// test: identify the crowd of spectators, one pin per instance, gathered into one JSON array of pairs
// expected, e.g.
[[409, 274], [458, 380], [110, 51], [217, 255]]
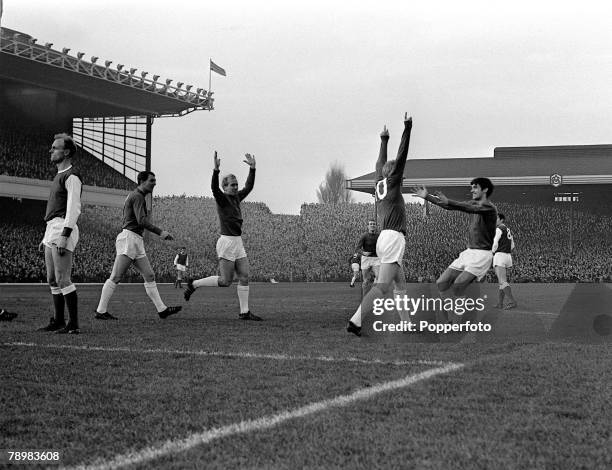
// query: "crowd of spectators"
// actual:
[[312, 246], [25, 153]]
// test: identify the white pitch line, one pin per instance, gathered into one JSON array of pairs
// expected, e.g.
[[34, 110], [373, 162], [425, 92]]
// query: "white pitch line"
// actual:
[[240, 355], [180, 445]]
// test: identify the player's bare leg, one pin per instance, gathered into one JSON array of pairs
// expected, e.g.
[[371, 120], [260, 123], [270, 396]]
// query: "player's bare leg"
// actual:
[[400, 289], [242, 271], [120, 267], [57, 321], [501, 277], [143, 266], [224, 279], [63, 269], [444, 284], [388, 272], [504, 287], [367, 276]]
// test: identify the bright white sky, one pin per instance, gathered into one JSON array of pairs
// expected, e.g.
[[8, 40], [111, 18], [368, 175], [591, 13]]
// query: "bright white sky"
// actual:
[[312, 82]]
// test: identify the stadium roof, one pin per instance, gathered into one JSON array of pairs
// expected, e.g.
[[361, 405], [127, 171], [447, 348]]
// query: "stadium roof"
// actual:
[[576, 164], [94, 90]]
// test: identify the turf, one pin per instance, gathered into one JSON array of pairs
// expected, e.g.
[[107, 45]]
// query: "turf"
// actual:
[[121, 386]]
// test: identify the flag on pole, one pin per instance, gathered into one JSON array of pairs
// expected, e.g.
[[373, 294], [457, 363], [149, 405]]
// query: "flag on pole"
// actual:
[[215, 68]]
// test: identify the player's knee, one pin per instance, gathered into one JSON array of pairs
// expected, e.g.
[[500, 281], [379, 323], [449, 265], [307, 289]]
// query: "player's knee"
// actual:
[[149, 277], [222, 282]]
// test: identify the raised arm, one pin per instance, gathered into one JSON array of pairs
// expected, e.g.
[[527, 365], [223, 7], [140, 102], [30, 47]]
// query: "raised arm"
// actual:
[[402, 153], [382, 154], [250, 181], [214, 183]]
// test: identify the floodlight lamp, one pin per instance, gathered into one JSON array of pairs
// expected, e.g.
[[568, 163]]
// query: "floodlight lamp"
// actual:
[[143, 74], [168, 81], [32, 40], [199, 90], [93, 59], [119, 67], [179, 84], [80, 55], [48, 45], [107, 63], [155, 78], [65, 50], [189, 87], [132, 70]]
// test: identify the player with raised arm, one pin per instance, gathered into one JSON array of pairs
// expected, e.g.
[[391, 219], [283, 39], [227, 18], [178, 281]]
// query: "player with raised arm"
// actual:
[[503, 244], [392, 239], [131, 251], [230, 248], [475, 261], [62, 235], [370, 262]]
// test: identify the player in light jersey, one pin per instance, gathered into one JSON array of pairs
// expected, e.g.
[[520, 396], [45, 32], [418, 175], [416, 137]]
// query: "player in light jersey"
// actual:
[[475, 261], [503, 244], [131, 251], [370, 262], [392, 212], [230, 249], [62, 235]]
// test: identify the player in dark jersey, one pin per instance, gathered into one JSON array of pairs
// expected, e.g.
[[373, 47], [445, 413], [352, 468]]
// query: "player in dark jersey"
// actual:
[[391, 241], [131, 252], [230, 249], [354, 262], [181, 261], [370, 262], [62, 235], [474, 262], [503, 244]]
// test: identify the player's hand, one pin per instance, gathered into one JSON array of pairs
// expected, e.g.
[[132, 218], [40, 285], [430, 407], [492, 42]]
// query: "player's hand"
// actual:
[[440, 195], [365, 253], [407, 120], [166, 235], [61, 245], [420, 191], [41, 246], [385, 132], [217, 161], [249, 160]]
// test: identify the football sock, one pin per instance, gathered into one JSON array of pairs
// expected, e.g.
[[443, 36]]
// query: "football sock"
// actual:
[[243, 298], [500, 297], [153, 293], [508, 293], [107, 293], [72, 302], [210, 281], [356, 318], [400, 294], [58, 304]]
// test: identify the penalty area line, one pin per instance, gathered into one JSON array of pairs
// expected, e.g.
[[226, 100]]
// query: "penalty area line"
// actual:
[[239, 355], [261, 424]]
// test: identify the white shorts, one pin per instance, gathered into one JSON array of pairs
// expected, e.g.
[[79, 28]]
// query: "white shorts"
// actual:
[[53, 232], [181, 267], [476, 262], [502, 259], [355, 266], [390, 246], [230, 248], [368, 262], [130, 244]]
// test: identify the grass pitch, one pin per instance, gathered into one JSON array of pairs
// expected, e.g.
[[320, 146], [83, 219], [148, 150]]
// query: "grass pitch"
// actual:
[[206, 390]]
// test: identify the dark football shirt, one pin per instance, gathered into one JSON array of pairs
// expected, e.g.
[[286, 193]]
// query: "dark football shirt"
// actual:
[[228, 207], [391, 209]]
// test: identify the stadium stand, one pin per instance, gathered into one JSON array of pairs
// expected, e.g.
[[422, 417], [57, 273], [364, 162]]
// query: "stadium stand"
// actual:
[[25, 153], [312, 246]]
